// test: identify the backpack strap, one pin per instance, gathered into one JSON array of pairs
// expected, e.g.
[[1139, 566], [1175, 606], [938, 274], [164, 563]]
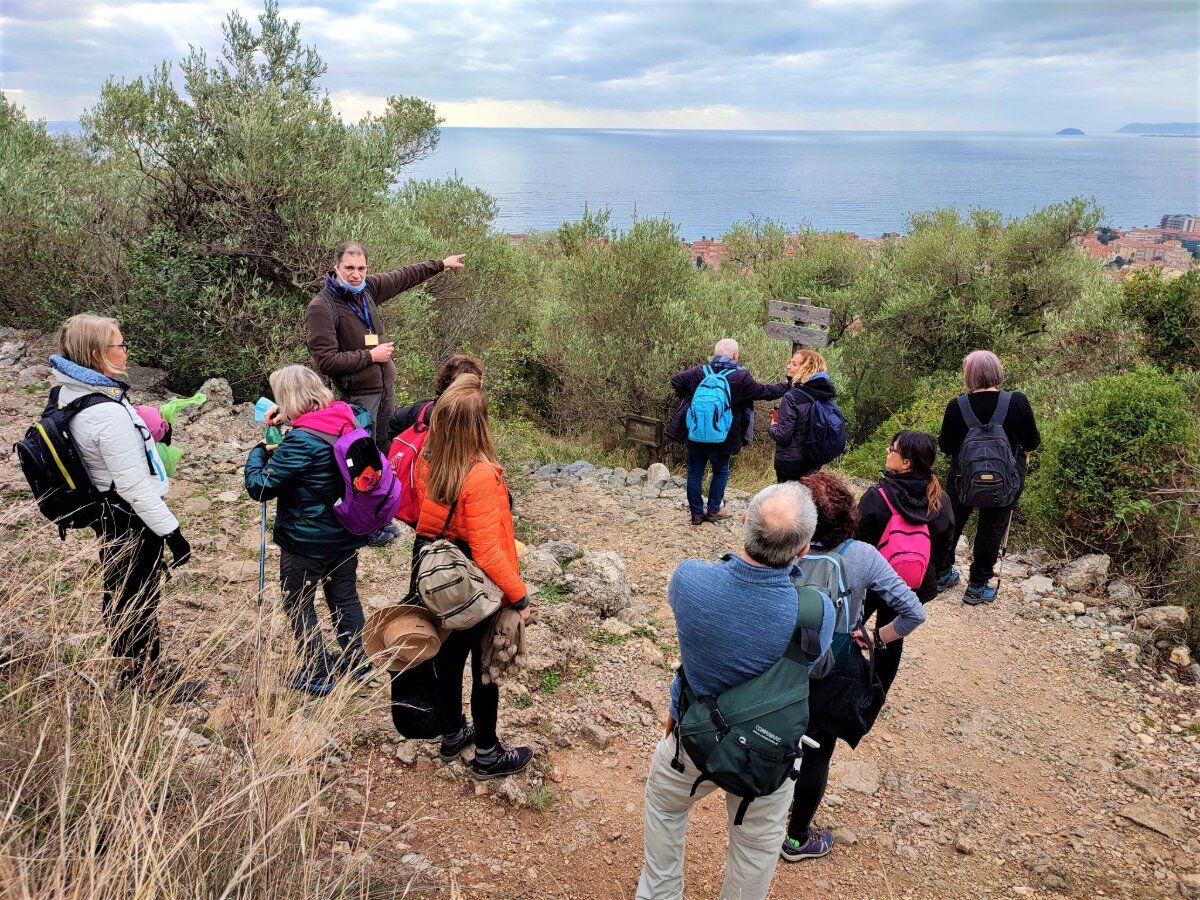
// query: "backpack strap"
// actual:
[[805, 645], [423, 416], [333, 310], [449, 516], [1001, 409], [886, 499], [969, 418], [330, 439]]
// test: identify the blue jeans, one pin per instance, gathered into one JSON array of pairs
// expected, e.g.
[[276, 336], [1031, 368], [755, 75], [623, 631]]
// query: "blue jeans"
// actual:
[[699, 456]]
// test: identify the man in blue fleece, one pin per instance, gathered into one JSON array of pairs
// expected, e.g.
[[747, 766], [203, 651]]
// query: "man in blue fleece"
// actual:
[[735, 619]]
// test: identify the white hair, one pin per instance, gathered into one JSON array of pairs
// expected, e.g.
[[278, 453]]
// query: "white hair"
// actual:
[[726, 347], [780, 522]]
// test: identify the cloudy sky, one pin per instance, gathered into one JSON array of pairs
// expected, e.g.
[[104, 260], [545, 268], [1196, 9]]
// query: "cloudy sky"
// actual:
[[1022, 65]]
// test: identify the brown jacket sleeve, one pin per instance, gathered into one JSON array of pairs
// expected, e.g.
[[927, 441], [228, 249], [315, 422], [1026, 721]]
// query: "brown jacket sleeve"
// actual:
[[323, 344], [389, 284]]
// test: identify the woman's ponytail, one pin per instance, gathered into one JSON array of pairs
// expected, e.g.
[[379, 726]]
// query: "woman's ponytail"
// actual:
[[920, 449]]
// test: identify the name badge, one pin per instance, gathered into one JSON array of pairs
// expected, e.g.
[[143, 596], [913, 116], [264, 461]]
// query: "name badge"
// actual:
[[372, 340]]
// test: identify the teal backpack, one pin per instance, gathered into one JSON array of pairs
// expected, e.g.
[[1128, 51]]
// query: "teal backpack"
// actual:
[[710, 415], [747, 740]]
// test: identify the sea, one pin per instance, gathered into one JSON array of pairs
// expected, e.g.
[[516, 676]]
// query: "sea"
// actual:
[[868, 182]]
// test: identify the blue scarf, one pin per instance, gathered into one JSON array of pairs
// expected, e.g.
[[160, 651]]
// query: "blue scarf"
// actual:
[[83, 373], [721, 363]]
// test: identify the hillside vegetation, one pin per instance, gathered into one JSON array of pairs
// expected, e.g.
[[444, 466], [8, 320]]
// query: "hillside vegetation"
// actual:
[[200, 211]]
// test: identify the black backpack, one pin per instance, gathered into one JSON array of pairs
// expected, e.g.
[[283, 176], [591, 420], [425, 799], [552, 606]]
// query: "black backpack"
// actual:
[[826, 438], [986, 473], [59, 482]]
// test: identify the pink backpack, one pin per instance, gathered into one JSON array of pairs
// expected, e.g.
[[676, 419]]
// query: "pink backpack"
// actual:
[[403, 458], [907, 547]]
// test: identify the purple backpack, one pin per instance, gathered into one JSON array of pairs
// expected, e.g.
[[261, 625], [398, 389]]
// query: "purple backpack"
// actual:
[[371, 493]]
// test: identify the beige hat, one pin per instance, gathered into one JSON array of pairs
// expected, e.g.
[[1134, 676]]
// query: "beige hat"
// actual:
[[402, 636]]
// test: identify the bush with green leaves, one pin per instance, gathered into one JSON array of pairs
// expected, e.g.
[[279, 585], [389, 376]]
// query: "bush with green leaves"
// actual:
[[1113, 474], [1168, 316], [923, 413]]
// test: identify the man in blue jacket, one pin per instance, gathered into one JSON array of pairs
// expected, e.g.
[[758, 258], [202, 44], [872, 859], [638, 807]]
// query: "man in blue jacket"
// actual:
[[743, 391]]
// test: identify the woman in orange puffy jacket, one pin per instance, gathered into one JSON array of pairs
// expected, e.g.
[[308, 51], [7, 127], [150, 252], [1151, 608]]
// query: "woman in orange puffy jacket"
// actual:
[[462, 490]]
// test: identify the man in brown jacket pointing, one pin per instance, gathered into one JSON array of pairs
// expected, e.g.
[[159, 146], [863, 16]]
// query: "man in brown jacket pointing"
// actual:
[[346, 340]]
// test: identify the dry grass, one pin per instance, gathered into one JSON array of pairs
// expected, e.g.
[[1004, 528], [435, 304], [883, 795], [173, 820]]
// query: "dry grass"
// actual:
[[103, 793]]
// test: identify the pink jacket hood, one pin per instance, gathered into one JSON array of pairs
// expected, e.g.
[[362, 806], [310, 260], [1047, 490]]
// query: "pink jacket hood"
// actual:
[[336, 418]]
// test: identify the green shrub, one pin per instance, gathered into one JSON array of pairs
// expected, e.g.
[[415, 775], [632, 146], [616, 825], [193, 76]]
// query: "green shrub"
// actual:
[[924, 413], [1168, 314], [1116, 475]]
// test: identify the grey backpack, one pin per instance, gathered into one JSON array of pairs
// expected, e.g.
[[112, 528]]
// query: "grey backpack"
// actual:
[[986, 473], [824, 571], [451, 586]]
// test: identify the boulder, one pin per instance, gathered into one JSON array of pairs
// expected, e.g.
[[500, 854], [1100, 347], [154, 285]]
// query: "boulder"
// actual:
[[11, 352], [541, 567], [1038, 584], [546, 472], [1181, 656], [1122, 593], [637, 476], [657, 475], [1156, 817], [563, 551], [1165, 621], [218, 394], [145, 378], [581, 468], [601, 582], [1085, 574]]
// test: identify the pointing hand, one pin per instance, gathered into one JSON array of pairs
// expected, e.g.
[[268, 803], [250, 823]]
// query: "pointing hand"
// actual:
[[454, 262]]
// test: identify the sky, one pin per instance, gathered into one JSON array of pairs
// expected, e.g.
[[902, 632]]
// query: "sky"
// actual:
[[1004, 65]]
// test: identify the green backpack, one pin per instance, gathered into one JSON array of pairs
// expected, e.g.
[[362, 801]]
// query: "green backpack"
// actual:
[[747, 740]]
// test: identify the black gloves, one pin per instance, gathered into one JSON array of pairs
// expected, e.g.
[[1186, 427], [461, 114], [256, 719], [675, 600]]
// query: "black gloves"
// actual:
[[181, 550]]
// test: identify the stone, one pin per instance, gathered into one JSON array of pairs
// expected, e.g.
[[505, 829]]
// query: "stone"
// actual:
[[1155, 817], [187, 736], [229, 496], [657, 475], [1164, 621], [221, 716], [636, 476], [562, 551], [1141, 779], [1122, 593], [1085, 574], [859, 775], [237, 571], [601, 582], [964, 844], [541, 567], [653, 654], [1078, 608], [845, 836], [616, 628], [579, 469], [596, 735], [32, 375], [217, 394], [546, 472], [1037, 584], [145, 378], [306, 740], [406, 752], [1181, 656]]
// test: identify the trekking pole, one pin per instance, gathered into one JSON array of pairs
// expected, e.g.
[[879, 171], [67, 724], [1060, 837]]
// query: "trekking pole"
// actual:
[[271, 439], [1003, 552]]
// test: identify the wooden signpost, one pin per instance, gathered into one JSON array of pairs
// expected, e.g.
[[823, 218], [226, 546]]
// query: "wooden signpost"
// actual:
[[645, 431], [797, 316]]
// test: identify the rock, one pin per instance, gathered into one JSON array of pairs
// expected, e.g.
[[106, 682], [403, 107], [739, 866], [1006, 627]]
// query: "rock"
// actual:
[[229, 496], [636, 476], [964, 844], [194, 506], [1155, 817], [596, 735], [1122, 593], [616, 627], [32, 375], [601, 582], [541, 567], [546, 472], [845, 836], [187, 736], [857, 775], [221, 716], [1164, 621], [579, 469], [1085, 574], [1141, 779], [657, 475], [1181, 656], [217, 394], [652, 654], [562, 551], [406, 752], [144, 378], [1078, 608], [236, 571], [11, 352], [306, 740], [1037, 584]]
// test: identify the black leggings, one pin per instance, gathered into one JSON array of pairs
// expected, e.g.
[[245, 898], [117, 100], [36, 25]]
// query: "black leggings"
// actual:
[[811, 783], [131, 557], [485, 698]]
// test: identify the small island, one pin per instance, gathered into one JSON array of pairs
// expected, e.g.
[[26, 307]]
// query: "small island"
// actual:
[[1070, 131]]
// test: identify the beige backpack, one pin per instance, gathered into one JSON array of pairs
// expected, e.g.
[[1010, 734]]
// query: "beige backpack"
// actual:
[[451, 586]]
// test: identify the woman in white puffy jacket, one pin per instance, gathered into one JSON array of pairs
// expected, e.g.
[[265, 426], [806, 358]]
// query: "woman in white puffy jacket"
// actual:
[[116, 448]]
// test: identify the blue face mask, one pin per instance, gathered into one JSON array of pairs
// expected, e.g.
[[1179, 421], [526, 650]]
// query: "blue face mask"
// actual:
[[353, 288]]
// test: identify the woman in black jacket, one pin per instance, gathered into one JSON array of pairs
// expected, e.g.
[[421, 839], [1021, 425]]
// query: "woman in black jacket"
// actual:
[[790, 423], [914, 492], [983, 374], [407, 416]]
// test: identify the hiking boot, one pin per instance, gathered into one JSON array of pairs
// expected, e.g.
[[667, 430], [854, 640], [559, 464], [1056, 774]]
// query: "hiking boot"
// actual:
[[317, 685], [697, 521], [383, 536], [454, 744], [716, 517], [948, 579], [500, 761], [819, 843], [979, 593]]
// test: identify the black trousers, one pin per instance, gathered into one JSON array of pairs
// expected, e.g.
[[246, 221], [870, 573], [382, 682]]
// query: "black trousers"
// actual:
[[792, 470], [989, 534], [131, 558], [887, 660], [449, 664], [811, 783], [338, 577]]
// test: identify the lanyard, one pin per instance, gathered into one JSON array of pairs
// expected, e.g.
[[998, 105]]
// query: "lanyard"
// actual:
[[364, 314]]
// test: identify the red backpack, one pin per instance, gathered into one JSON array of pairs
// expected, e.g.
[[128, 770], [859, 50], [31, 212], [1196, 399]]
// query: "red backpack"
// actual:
[[403, 458], [907, 547]]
